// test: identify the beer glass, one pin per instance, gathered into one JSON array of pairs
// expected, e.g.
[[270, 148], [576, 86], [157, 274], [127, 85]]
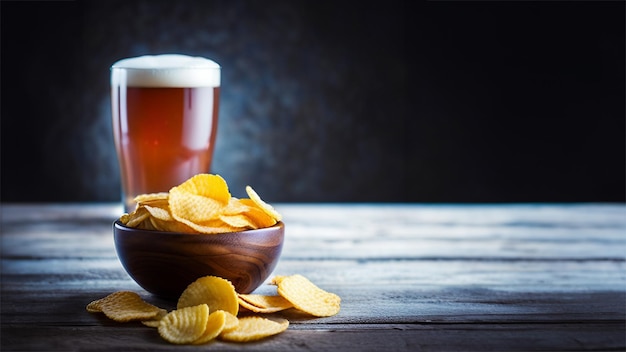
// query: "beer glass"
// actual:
[[165, 112]]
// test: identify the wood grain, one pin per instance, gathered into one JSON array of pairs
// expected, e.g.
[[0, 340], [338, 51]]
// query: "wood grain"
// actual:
[[411, 277]]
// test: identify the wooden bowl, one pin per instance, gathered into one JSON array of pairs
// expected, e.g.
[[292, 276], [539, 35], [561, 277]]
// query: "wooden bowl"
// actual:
[[165, 263]]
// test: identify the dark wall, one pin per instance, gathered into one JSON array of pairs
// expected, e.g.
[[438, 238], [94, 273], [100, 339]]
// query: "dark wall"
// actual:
[[334, 100]]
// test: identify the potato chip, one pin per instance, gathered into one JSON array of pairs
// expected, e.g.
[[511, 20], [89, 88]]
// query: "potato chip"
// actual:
[[202, 204], [253, 328], [154, 322], [256, 215], [235, 206], [230, 322], [192, 209], [123, 306], [261, 204], [215, 291], [207, 186], [238, 221], [151, 198], [136, 217], [214, 326], [263, 304], [184, 325], [158, 212], [307, 297], [214, 227]]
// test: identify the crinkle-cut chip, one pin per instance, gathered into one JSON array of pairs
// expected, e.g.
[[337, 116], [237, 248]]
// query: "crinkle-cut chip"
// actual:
[[202, 204], [171, 226], [147, 224], [125, 218], [207, 186], [213, 227], [235, 206], [193, 209], [277, 279], [215, 291], [253, 328], [239, 221], [214, 326], [263, 304], [231, 322], [123, 306], [185, 325], [152, 198], [159, 213], [154, 322], [261, 204], [137, 217], [258, 216], [307, 297], [94, 307]]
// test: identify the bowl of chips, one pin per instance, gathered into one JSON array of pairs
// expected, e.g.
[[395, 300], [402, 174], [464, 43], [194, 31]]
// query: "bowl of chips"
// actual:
[[197, 229]]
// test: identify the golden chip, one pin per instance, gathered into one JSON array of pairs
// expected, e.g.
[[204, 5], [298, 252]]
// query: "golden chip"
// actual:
[[136, 217], [152, 198], [201, 204], [215, 291], [184, 325], [214, 326], [123, 306], [192, 209], [231, 322], [255, 328], [207, 186], [159, 213], [235, 206], [258, 216], [307, 297], [154, 322], [263, 304], [238, 221], [261, 204]]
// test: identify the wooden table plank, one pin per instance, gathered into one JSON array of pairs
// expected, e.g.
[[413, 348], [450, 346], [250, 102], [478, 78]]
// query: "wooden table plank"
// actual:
[[360, 337], [411, 277], [415, 232]]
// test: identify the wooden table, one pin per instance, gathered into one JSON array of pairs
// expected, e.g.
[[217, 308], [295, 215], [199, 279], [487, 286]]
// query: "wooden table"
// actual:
[[411, 277]]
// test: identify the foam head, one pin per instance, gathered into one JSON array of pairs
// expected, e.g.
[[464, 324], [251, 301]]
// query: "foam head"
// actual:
[[168, 70]]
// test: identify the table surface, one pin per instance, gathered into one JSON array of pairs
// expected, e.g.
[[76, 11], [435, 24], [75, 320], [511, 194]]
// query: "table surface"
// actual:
[[505, 277]]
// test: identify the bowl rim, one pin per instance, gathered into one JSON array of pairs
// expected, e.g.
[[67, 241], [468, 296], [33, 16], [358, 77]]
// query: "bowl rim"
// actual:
[[118, 225]]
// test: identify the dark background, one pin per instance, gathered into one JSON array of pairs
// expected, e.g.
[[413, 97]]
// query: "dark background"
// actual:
[[334, 101]]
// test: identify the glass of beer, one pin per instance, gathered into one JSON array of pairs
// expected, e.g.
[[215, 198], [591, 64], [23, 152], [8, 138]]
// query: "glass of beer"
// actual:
[[165, 111]]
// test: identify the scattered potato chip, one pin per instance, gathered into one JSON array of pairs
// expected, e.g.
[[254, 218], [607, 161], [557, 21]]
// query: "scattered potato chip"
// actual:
[[231, 322], [263, 304], [191, 322], [307, 297], [253, 328], [215, 291], [154, 322], [184, 325], [214, 326], [123, 306]]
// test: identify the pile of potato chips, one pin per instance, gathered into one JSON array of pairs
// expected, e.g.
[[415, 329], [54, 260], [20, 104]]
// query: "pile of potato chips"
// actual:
[[202, 204], [209, 309]]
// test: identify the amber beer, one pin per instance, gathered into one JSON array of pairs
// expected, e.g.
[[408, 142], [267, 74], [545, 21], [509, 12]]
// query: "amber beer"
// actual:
[[165, 112]]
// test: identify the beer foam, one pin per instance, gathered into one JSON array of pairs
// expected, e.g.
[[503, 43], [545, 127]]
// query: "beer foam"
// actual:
[[168, 70]]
